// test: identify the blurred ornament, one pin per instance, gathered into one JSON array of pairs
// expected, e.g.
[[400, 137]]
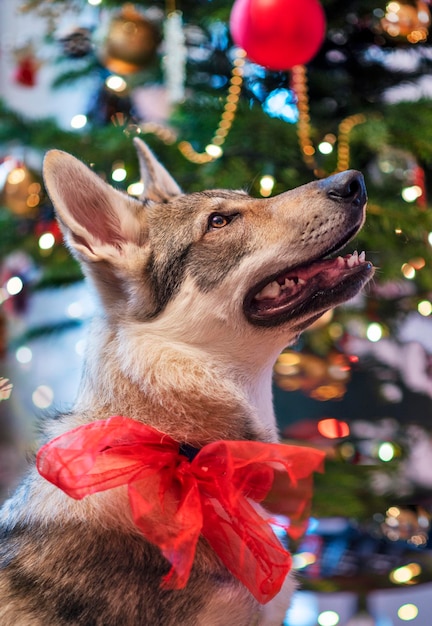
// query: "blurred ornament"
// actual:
[[77, 43], [411, 524], [349, 452], [324, 432], [174, 61], [407, 20], [278, 34], [392, 165], [16, 273], [131, 42], [282, 103], [320, 378], [110, 106], [27, 66], [419, 180], [17, 192], [332, 428]]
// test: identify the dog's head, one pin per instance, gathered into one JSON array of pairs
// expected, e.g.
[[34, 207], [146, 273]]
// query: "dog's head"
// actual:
[[219, 258]]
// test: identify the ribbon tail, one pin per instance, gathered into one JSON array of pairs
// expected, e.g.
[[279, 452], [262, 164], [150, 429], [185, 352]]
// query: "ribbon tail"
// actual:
[[247, 546], [173, 522], [291, 501]]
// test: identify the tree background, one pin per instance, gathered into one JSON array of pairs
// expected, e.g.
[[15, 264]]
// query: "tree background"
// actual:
[[363, 102]]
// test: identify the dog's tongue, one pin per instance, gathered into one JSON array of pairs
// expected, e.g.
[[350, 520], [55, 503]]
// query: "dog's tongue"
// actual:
[[289, 284]]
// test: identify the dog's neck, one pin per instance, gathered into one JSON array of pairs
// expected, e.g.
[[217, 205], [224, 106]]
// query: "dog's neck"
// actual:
[[195, 394]]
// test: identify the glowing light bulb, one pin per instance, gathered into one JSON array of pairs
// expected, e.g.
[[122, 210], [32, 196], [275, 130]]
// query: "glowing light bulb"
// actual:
[[410, 194], [374, 332], [213, 150], [116, 83], [78, 121], [407, 612], [424, 308], [118, 174], [267, 182], [16, 176], [266, 185], [303, 559], [46, 241], [408, 271], [325, 147], [404, 574], [14, 285], [23, 355], [328, 618], [135, 189], [386, 451]]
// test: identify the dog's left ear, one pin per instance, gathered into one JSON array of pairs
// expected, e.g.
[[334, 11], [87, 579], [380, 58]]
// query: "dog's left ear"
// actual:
[[159, 185], [97, 220]]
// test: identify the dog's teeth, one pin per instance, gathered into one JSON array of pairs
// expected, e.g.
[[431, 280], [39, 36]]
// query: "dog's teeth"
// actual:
[[340, 261], [289, 283], [272, 290], [353, 260], [301, 281], [362, 257]]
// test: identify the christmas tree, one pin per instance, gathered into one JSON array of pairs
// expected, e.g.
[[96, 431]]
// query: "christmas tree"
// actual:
[[351, 93]]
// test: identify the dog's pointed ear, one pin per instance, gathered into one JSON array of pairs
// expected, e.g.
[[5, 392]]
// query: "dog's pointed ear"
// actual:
[[159, 185], [97, 220]]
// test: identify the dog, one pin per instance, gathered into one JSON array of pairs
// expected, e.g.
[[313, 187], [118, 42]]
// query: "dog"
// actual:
[[199, 293]]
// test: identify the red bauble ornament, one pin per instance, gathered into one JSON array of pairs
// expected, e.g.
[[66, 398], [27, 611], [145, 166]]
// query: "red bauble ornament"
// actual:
[[278, 34], [25, 73]]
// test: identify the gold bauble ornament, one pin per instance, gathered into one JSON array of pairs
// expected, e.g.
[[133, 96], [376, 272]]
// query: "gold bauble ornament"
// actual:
[[21, 192], [131, 42], [407, 19]]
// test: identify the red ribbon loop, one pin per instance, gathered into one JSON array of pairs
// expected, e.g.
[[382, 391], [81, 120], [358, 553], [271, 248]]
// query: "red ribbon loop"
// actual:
[[174, 500]]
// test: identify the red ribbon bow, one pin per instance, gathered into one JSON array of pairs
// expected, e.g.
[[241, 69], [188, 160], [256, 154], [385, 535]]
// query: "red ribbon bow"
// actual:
[[174, 500]]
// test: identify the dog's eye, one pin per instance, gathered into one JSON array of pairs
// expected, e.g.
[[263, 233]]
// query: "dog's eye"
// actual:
[[219, 221]]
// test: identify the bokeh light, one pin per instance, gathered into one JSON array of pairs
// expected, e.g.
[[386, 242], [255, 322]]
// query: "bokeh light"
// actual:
[[43, 396], [407, 612], [14, 285], [328, 618]]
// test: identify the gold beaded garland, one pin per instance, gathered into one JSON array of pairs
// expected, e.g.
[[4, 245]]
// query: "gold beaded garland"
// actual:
[[345, 128], [213, 150], [300, 87]]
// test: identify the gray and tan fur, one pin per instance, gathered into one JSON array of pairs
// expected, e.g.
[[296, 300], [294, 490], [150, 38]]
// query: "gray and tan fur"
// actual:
[[191, 323]]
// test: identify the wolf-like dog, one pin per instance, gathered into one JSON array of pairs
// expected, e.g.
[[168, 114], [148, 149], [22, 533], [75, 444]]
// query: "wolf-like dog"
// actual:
[[199, 293]]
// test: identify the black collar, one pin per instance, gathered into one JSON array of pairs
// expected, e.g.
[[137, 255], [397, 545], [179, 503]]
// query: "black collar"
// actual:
[[188, 451]]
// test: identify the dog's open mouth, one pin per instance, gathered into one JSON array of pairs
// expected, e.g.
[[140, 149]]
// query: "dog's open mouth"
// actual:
[[307, 289]]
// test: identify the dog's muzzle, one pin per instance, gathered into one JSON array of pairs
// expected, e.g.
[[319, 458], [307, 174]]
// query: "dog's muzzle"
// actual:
[[299, 294]]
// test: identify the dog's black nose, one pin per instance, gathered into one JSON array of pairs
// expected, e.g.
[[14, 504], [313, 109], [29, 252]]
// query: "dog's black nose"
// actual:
[[346, 187]]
